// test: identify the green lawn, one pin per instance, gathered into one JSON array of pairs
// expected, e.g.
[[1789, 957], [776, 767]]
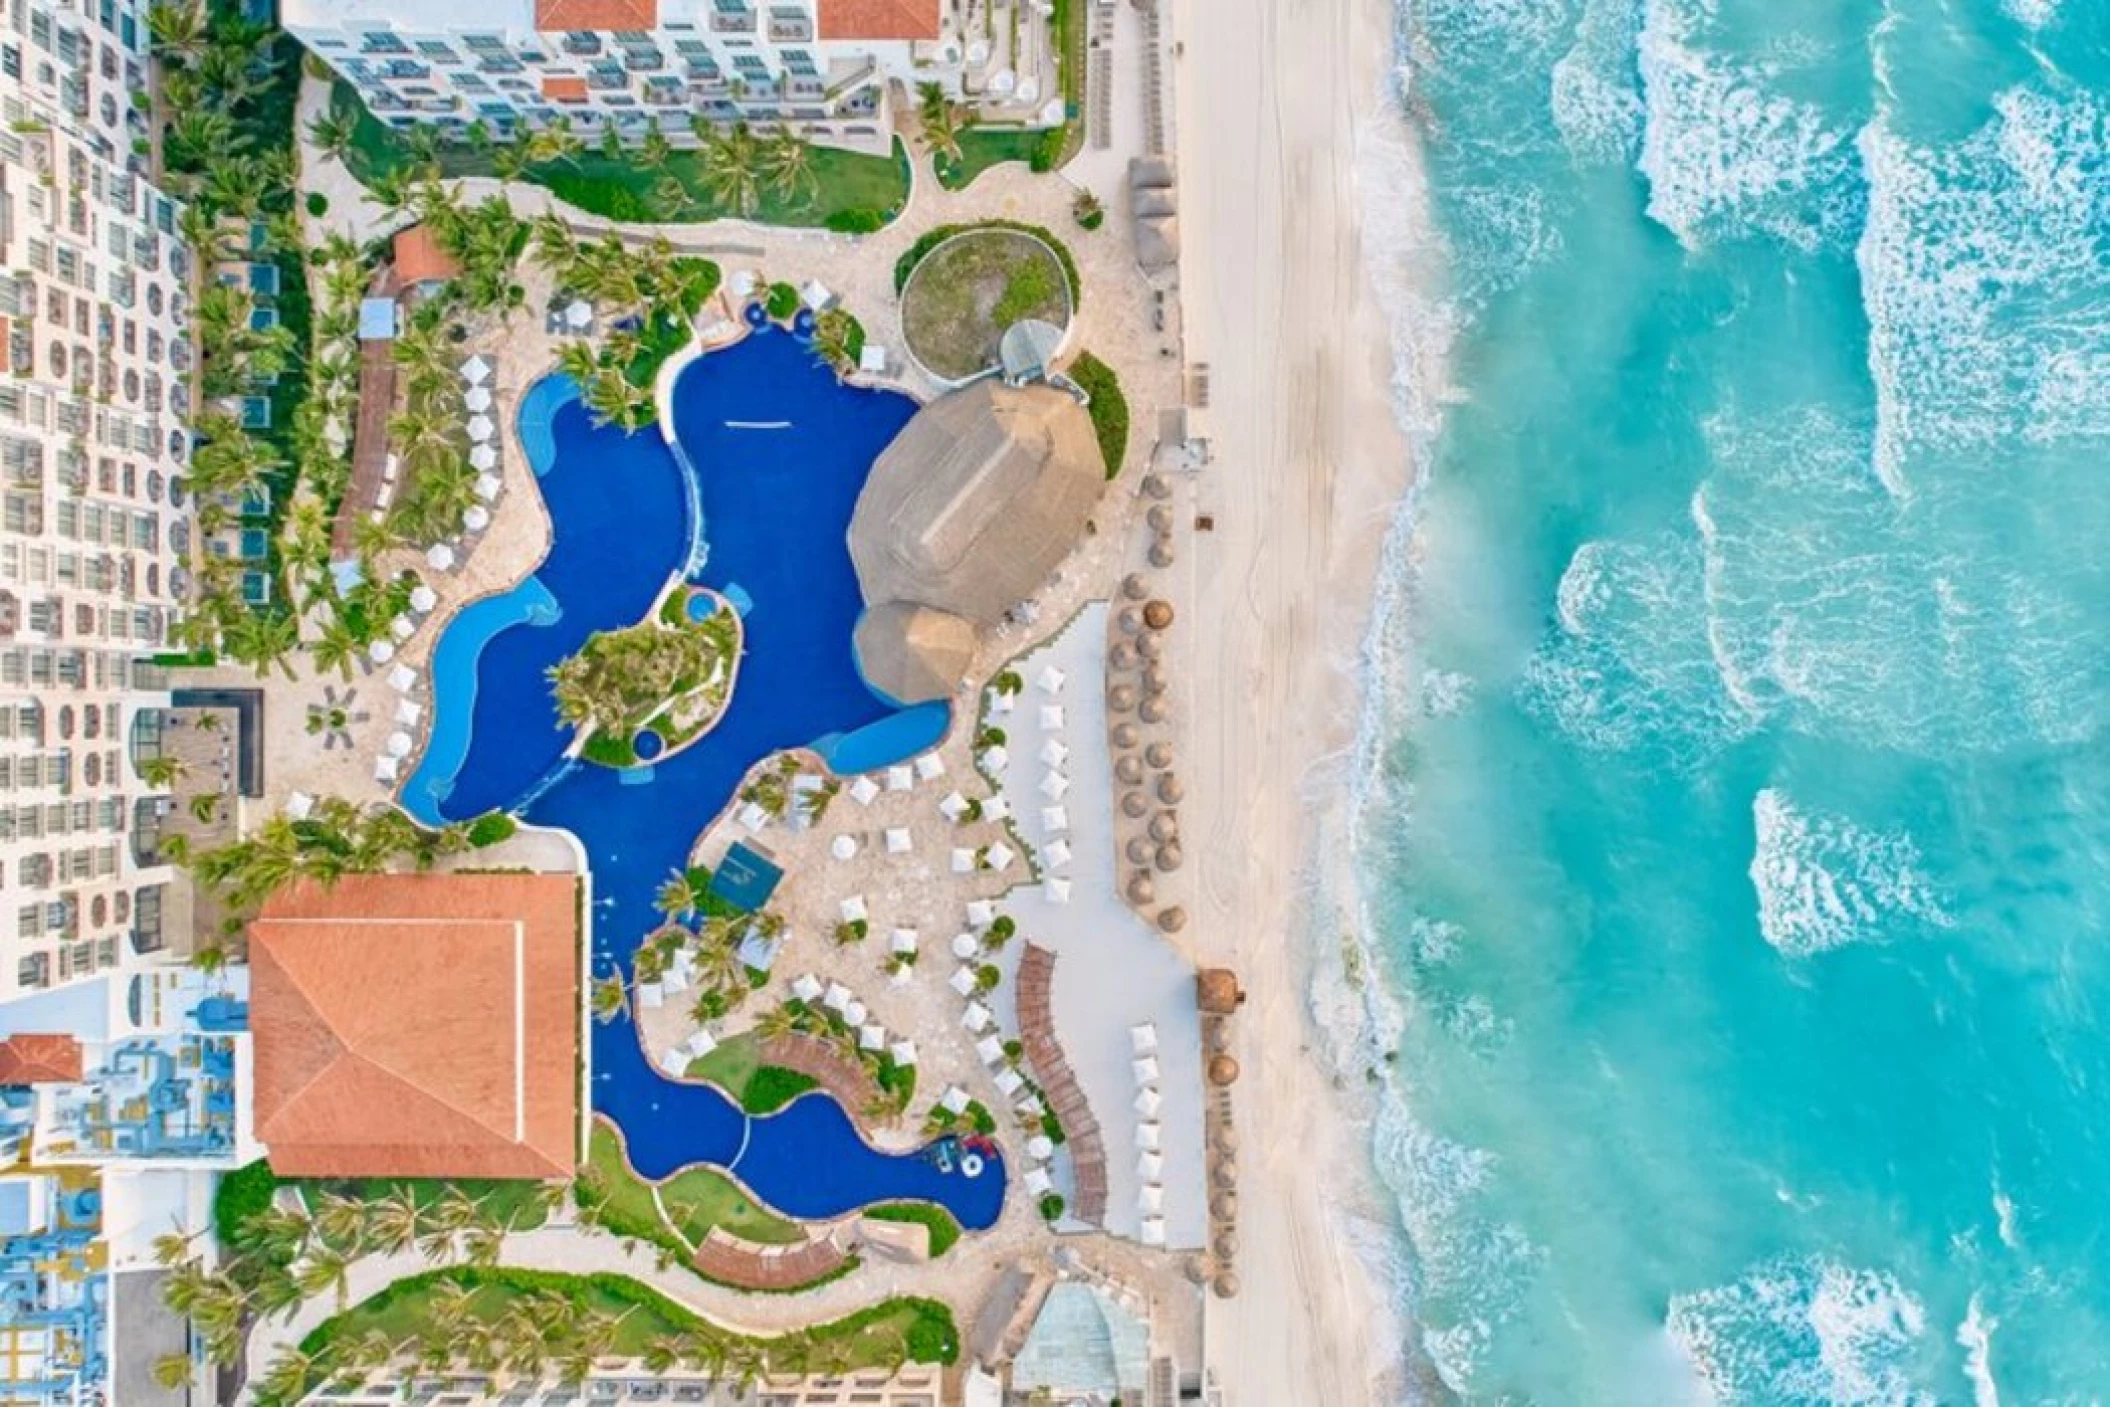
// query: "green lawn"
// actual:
[[923, 1330], [1108, 408], [626, 1205], [966, 292], [984, 147], [736, 1067], [698, 1199], [944, 1231], [852, 184]]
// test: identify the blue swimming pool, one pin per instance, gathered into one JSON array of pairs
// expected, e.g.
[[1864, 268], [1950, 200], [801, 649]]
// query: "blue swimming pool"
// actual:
[[778, 450]]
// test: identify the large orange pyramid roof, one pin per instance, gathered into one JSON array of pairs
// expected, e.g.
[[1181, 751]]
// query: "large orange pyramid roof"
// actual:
[[418, 1026]]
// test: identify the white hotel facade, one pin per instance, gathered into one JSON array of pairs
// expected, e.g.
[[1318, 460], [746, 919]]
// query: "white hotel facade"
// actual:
[[93, 531], [827, 68]]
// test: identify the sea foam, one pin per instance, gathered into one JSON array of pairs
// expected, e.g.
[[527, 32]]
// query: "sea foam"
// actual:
[[1824, 882], [1804, 1330]]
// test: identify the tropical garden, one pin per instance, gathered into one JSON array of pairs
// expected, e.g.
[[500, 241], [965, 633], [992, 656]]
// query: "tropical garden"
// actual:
[[666, 679]]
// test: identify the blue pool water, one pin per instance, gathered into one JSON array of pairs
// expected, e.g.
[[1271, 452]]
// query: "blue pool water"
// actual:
[[775, 505], [1737, 834]]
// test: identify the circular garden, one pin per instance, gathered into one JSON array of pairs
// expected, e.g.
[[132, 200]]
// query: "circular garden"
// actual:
[[970, 287]]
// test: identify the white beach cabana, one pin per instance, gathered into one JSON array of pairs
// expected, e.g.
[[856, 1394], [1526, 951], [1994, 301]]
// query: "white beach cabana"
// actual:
[[398, 744], [1001, 856], [1051, 680], [854, 1012], [1052, 719], [963, 981], [299, 806], [1040, 1147], [954, 1100], [843, 847], [1143, 1039], [836, 997], [1148, 1103], [386, 769], [476, 370], [962, 860], [1150, 1137], [1053, 753], [481, 427], [980, 913], [1150, 1198], [996, 758], [402, 679], [1056, 853], [996, 808], [976, 1017], [1054, 785], [872, 1037], [1153, 1231], [440, 557], [899, 841], [1009, 1081], [953, 806], [853, 909], [409, 712], [1146, 1070], [1150, 1167], [930, 767], [1055, 891], [1054, 819], [904, 1052], [900, 778], [423, 598], [989, 1050], [904, 940], [806, 987], [863, 790], [1038, 1183]]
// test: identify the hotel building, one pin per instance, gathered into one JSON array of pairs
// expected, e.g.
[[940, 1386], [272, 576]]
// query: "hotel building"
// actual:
[[93, 531], [827, 68]]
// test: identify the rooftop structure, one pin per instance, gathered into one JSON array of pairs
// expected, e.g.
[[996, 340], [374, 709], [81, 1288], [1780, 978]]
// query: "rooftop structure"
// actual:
[[419, 1026], [963, 517], [54, 1291], [746, 877], [94, 311], [822, 67], [418, 259]]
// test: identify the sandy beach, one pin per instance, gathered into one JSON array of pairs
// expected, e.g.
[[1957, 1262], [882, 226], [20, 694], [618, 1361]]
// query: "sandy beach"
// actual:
[[1275, 97]]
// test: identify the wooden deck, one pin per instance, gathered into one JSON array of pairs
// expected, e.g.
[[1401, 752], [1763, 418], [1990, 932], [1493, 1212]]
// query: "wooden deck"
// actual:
[[751, 1266], [823, 1063], [1036, 1025]]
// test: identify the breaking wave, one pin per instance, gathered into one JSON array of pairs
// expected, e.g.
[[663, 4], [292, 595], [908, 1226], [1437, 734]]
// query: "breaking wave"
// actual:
[[1824, 882], [1804, 1330]]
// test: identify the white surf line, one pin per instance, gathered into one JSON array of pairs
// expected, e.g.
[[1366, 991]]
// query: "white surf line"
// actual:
[[758, 424], [747, 1131]]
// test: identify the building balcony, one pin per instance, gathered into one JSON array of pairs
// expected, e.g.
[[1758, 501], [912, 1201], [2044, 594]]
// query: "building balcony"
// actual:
[[790, 30], [733, 22]]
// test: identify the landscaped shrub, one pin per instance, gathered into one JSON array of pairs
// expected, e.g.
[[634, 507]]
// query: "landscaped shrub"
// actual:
[[783, 301], [772, 1087], [242, 1194], [906, 264], [933, 1339], [1109, 408], [944, 1231], [491, 828], [856, 221], [318, 204], [1051, 1206], [1047, 152]]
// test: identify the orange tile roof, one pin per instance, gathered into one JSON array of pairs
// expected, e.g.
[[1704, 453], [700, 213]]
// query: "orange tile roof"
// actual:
[[563, 89], [418, 1026], [31, 1059], [419, 259], [607, 16], [879, 19]]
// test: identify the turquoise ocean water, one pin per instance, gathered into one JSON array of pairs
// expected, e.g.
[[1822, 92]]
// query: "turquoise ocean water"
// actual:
[[1734, 835]]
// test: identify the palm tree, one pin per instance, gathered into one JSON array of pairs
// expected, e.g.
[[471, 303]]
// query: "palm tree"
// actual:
[[340, 1220], [161, 771], [776, 1022], [731, 169], [199, 137], [662, 1353], [286, 1380], [332, 133], [172, 1370], [394, 1221], [178, 28], [262, 640], [212, 958], [833, 333], [610, 997], [579, 361], [789, 162], [940, 120], [324, 1270], [170, 1247], [449, 1306]]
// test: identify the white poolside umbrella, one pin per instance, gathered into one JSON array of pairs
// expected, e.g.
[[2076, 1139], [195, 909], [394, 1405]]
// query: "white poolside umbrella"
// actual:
[[1053, 785], [478, 399], [898, 841], [962, 860], [423, 597], [994, 758], [488, 485], [930, 767], [855, 1012], [476, 370], [989, 1050], [399, 744], [863, 790], [402, 628], [1051, 717], [1151, 1198], [905, 940], [476, 518], [483, 458], [299, 806], [1147, 1103], [1053, 753], [409, 712], [1143, 1039], [1040, 1146], [899, 779], [1038, 1182], [381, 651], [806, 988], [386, 768], [1056, 891], [954, 1100], [1149, 1137], [980, 913], [440, 557], [843, 847], [1056, 853], [872, 1038], [402, 679], [1153, 1231], [965, 945], [1150, 1167], [1009, 1081], [963, 981], [482, 427], [1146, 1070], [853, 909], [837, 997], [1001, 856], [579, 314], [996, 808], [976, 1017], [953, 806], [904, 1052], [1054, 819]]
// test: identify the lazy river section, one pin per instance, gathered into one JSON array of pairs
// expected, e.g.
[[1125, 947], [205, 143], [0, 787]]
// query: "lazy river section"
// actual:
[[778, 449]]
